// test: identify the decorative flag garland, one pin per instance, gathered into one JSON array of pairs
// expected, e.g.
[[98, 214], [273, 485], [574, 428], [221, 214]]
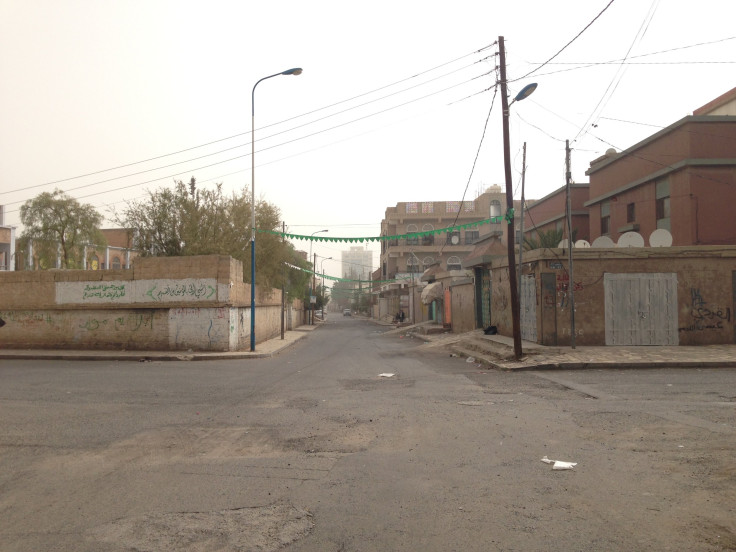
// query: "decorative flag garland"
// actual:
[[336, 279], [509, 216]]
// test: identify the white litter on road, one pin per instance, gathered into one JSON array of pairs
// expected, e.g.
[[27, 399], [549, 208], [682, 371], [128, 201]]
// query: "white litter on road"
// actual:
[[386, 375], [559, 464]]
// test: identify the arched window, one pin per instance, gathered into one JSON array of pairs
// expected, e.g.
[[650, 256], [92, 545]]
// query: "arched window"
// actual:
[[495, 208], [427, 261], [429, 238], [454, 263], [410, 229], [116, 263], [94, 262]]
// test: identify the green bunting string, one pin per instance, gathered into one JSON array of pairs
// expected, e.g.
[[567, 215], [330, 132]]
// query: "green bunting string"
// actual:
[[509, 217], [336, 279]]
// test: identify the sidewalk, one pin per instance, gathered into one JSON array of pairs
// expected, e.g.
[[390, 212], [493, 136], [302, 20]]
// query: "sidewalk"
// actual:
[[263, 350], [495, 351], [498, 352]]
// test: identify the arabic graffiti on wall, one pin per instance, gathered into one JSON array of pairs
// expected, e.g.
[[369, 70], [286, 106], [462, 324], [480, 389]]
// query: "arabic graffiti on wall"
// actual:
[[118, 292]]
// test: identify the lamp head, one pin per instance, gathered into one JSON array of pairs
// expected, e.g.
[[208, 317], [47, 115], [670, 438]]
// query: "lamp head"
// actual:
[[294, 71], [526, 91]]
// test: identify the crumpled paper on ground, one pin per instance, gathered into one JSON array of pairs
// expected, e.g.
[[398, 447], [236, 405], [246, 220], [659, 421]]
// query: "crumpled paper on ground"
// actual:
[[559, 464]]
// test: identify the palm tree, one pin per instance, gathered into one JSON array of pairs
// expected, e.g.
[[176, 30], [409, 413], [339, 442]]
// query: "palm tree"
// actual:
[[547, 239]]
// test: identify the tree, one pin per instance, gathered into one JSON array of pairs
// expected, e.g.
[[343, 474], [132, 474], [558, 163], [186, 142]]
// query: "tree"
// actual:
[[189, 220], [56, 224], [547, 239]]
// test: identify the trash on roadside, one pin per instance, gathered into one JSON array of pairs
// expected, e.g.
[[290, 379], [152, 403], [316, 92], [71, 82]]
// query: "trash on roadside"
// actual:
[[559, 464], [386, 375], [470, 359]]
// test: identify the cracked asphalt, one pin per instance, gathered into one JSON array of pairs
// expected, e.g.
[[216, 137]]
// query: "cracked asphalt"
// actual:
[[312, 450]]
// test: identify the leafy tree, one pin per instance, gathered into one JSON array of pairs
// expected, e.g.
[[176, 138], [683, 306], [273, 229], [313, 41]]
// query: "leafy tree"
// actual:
[[547, 239], [189, 220], [55, 223]]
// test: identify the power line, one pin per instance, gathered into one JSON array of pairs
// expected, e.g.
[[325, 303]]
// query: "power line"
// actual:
[[566, 45], [475, 52], [613, 85]]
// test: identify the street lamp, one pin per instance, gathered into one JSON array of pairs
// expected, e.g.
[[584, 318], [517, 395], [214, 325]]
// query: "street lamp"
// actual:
[[525, 92], [295, 71], [322, 270], [314, 269]]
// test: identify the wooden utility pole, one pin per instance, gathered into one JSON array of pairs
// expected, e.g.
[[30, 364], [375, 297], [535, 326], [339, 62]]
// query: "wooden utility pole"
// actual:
[[283, 281], [515, 313], [570, 244], [521, 221]]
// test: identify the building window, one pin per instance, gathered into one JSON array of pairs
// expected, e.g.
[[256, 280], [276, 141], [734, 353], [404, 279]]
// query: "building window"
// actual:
[[517, 236], [469, 206], [428, 239], [412, 208], [427, 261], [605, 218], [412, 240], [471, 236], [631, 212], [495, 210], [116, 263], [663, 204], [453, 263], [427, 208], [412, 264], [452, 207], [453, 238]]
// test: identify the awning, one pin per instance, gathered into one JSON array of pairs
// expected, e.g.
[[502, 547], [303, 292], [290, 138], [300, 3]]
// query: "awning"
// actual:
[[432, 292]]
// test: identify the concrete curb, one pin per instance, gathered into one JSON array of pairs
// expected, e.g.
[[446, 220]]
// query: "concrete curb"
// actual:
[[266, 349]]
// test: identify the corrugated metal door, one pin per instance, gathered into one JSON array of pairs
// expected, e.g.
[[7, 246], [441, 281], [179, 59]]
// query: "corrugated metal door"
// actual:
[[448, 308], [528, 306], [641, 309], [486, 298]]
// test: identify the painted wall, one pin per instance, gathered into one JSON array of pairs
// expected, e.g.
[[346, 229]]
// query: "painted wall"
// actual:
[[706, 291], [181, 303]]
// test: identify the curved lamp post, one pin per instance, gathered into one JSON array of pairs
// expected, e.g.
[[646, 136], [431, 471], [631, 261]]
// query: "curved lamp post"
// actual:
[[295, 71], [314, 270], [322, 270]]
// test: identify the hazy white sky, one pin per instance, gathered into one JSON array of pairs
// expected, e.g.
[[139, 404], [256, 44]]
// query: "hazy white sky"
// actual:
[[391, 106]]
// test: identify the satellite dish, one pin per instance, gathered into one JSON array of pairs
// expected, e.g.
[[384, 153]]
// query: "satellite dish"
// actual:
[[660, 238], [603, 242], [630, 239], [582, 244], [562, 244]]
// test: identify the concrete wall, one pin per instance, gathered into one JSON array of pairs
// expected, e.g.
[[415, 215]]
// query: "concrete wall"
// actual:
[[706, 284], [167, 303]]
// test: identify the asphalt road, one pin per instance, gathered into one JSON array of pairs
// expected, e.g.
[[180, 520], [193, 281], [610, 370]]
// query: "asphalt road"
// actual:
[[314, 450]]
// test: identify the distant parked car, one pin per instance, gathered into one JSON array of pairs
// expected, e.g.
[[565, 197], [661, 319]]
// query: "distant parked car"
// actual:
[[347, 312]]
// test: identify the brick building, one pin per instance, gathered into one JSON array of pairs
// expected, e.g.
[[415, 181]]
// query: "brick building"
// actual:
[[681, 179], [405, 259]]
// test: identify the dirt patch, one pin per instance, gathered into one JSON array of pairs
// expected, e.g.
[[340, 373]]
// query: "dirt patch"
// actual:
[[253, 529]]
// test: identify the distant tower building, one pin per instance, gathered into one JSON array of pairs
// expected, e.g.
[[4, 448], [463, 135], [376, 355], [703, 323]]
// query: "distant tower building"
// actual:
[[357, 263]]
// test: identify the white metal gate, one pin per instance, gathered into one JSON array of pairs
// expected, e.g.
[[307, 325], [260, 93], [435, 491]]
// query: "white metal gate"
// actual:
[[641, 309], [528, 299]]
